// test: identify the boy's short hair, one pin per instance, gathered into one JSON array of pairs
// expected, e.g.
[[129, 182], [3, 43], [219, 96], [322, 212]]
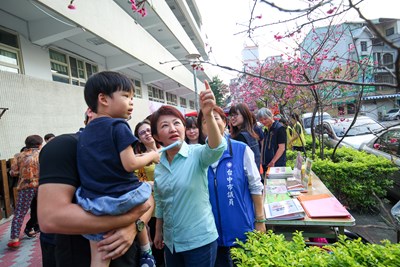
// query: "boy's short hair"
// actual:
[[105, 82]]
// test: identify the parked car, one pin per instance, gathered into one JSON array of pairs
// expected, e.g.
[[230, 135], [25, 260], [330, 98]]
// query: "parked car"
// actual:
[[393, 114], [362, 131], [306, 119], [387, 144]]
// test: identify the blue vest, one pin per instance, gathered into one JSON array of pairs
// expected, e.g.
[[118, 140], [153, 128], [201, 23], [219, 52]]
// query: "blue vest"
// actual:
[[254, 145], [230, 196]]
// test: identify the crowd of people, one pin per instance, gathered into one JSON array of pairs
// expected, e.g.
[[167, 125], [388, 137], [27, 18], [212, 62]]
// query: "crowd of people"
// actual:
[[107, 196]]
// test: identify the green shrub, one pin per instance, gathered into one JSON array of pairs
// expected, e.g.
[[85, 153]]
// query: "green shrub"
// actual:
[[354, 177], [273, 250]]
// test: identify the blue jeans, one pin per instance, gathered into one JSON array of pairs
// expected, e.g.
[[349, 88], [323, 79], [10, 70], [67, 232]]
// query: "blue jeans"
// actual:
[[107, 205], [200, 257], [224, 257]]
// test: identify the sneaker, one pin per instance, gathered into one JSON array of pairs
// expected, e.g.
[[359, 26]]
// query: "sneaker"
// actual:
[[14, 244], [147, 260]]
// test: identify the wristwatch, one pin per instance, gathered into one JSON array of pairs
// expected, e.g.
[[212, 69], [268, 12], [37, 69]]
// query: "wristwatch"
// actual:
[[139, 225]]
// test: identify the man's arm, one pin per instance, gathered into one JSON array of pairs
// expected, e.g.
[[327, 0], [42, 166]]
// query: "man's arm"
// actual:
[[278, 154], [57, 213]]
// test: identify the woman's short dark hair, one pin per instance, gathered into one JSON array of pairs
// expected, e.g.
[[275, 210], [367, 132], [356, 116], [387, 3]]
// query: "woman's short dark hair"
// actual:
[[33, 141], [162, 111], [218, 110]]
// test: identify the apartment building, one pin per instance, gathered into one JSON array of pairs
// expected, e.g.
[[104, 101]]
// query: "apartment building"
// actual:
[[354, 42], [48, 51]]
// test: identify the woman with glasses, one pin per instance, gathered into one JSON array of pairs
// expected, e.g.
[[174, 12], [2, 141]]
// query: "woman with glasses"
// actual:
[[242, 129], [147, 144]]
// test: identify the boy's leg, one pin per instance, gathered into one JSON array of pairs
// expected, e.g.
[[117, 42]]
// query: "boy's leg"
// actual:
[[146, 255], [96, 256]]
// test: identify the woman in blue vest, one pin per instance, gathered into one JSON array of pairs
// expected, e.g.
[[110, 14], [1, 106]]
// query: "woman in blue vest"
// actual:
[[235, 188], [242, 129]]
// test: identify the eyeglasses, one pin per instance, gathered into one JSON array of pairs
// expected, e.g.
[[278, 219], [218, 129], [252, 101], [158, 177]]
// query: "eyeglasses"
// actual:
[[143, 132], [233, 115]]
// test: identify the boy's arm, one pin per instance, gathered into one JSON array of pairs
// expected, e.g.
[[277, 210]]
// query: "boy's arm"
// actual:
[[132, 162], [57, 213]]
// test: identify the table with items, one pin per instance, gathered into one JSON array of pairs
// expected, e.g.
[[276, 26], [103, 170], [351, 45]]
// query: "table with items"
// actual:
[[320, 214]]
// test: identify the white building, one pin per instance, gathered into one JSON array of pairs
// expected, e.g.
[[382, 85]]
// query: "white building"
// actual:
[[48, 51], [355, 41]]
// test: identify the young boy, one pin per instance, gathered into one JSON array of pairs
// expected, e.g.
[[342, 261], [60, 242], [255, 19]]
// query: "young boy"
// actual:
[[106, 160]]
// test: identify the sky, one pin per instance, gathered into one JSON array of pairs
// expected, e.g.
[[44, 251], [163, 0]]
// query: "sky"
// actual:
[[225, 22]]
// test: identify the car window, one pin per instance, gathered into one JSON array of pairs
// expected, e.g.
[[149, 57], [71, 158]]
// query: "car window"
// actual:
[[389, 142], [307, 121], [359, 128], [395, 110]]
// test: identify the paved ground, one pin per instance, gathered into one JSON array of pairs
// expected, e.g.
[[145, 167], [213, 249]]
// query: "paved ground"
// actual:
[[373, 227], [29, 254]]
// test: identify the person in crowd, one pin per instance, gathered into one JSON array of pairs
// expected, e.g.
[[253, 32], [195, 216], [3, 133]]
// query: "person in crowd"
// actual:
[[274, 143], [48, 137], [192, 131], [59, 213], [106, 160], [258, 129], [185, 222], [297, 141], [146, 174], [235, 188], [26, 167], [242, 129], [289, 132]]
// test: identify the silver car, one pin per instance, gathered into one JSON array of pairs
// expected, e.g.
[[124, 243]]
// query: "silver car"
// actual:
[[393, 114], [362, 131], [387, 144]]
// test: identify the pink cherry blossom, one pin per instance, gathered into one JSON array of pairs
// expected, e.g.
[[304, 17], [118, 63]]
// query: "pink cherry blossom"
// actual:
[[377, 146]]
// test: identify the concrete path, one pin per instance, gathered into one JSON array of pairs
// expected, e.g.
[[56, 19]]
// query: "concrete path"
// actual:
[[28, 254]]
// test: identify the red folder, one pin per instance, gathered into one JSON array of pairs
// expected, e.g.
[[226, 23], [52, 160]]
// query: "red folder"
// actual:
[[322, 206]]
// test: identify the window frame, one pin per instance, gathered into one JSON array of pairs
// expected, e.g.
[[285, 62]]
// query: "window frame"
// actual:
[[82, 72], [11, 49], [182, 102], [138, 88], [172, 99], [364, 46], [156, 94]]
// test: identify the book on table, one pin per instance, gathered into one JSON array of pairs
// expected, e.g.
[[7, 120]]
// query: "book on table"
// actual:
[[279, 172], [323, 206], [295, 185], [282, 207]]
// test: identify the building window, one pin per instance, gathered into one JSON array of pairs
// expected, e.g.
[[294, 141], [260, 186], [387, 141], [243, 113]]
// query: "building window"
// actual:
[[182, 101], [156, 94], [69, 69], [138, 88], [384, 78], [191, 104], [10, 54], [351, 109], [387, 60], [363, 46], [389, 31], [172, 99]]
